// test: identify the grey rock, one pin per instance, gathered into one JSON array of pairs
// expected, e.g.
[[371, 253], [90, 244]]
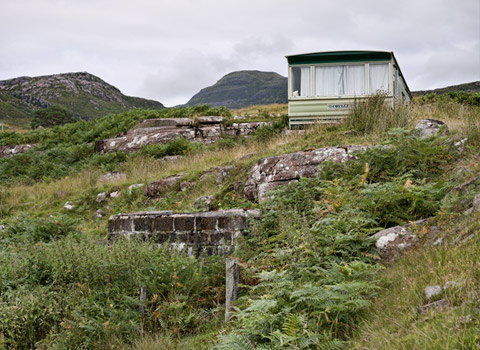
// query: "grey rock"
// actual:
[[204, 202], [210, 120], [101, 197], [7, 151], [112, 177], [68, 205], [99, 214], [432, 291], [223, 174], [460, 145], [437, 305], [114, 194], [185, 185], [438, 241], [475, 205], [160, 131], [430, 127], [280, 170], [134, 186], [156, 188], [169, 158]]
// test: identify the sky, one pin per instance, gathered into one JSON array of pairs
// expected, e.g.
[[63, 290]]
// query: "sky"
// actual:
[[167, 50]]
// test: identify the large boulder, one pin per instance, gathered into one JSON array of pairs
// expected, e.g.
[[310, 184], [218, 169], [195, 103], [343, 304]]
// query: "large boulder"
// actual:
[[157, 188], [430, 127], [280, 170]]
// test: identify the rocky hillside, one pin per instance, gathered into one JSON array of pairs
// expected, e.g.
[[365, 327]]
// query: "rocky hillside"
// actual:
[[243, 89], [83, 94], [467, 87]]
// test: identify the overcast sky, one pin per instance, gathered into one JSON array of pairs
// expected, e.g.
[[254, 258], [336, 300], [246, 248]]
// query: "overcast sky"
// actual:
[[168, 50]]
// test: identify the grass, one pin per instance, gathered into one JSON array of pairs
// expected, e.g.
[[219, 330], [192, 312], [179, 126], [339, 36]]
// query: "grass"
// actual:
[[266, 110], [393, 322]]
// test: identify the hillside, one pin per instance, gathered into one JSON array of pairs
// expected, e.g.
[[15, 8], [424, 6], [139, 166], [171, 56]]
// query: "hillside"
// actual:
[[467, 87], [83, 94], [311, 274], [243, 89]]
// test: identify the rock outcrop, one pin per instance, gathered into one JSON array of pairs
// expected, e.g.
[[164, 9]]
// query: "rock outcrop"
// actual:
[[7, 151], [204, 233], [280, 170], [430, 127], [206, 129]]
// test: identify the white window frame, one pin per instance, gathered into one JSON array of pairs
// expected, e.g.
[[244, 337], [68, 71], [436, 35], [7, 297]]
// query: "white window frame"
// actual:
[[313, 93]]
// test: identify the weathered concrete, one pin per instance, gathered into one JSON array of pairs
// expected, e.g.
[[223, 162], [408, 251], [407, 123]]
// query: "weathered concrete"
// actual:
[[280, 170], [206, 129], [203, 233], [7, 151]]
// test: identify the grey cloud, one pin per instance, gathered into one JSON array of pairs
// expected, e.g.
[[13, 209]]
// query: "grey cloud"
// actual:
[[170, 49]]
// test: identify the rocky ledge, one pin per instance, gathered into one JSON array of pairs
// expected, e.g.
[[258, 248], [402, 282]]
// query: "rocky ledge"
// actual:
[[206, 129], [280, 170]]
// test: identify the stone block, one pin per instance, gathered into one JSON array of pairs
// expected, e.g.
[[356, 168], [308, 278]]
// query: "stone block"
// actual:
[[183, 222], [205, 223], [143, 223], [163, 223], [120, 224], [232, 222], [161, 237]]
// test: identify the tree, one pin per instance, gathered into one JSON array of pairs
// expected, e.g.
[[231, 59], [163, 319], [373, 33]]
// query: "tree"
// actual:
[[51, 116]]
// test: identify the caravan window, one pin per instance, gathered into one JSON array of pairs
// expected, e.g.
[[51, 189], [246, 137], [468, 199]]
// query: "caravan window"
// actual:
[[301, 82], [342, 80], [379, 78]]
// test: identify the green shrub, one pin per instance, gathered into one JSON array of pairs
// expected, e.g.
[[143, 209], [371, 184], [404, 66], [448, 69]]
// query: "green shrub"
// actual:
[[176, 147], [76, 292], [26, 229], [51, 116]]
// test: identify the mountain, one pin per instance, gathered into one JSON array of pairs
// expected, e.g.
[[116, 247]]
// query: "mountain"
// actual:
[[85, 95], [467, 87], [243, 89]]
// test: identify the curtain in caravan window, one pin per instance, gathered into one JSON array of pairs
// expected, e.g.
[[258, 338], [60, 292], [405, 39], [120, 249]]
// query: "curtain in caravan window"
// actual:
[[301, 82], [355, 80], [329, 81], [379, 78], [305, 82]]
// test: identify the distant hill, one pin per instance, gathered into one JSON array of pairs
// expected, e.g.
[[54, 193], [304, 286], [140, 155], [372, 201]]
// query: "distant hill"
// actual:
[[468, 87], [243, 89], [83, 94]]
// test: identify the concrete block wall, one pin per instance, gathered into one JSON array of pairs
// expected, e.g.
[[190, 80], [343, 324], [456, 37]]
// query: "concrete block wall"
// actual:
[[202, 233]]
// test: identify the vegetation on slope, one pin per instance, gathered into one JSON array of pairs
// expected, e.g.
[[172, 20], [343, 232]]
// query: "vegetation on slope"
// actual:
[[82, 94], [311, 276]]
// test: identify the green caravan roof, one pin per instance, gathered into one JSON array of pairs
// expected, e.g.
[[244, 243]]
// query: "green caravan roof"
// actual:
[[344, 57], [340, 57]]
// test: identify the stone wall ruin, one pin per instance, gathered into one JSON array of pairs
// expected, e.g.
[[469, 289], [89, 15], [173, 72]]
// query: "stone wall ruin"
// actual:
[[202, 233]]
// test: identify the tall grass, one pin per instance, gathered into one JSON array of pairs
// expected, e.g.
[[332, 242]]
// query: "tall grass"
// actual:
[[375, 116], [393, 321]]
